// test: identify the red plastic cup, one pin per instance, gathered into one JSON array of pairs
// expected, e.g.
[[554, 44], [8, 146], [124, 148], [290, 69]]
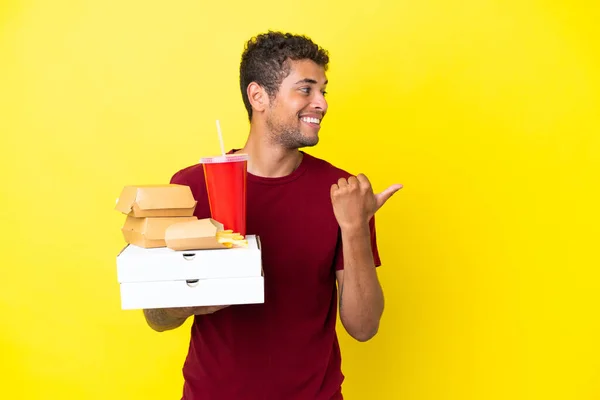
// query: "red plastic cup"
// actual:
[[225, 178]]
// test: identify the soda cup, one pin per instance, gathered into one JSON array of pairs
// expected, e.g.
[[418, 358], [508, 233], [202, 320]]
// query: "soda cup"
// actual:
[[225, 178]]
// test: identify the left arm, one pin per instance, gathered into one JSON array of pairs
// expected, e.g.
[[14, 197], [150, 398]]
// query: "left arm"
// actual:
[[360, 294]]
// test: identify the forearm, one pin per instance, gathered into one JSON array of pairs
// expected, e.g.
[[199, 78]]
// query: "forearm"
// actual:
[[361, 296], [164, 319]]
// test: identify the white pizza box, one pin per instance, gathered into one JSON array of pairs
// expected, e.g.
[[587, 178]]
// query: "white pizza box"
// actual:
[[163, 278]]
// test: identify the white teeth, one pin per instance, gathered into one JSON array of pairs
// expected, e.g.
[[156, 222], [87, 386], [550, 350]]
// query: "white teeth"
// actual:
[[312, 120]]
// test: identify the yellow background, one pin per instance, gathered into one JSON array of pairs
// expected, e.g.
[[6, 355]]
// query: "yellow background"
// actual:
[[487, 112]]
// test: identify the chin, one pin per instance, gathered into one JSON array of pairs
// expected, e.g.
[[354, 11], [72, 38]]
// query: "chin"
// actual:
[[298, 139], [309, 142]]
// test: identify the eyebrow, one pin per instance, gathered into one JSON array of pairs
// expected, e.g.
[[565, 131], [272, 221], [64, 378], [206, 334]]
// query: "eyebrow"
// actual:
[[308, 80]]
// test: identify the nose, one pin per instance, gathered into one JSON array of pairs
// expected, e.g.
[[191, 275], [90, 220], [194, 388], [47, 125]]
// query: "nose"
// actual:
[[319, 102]]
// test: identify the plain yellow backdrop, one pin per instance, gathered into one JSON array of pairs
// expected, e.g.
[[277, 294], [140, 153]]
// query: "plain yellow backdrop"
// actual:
[[487, 111]]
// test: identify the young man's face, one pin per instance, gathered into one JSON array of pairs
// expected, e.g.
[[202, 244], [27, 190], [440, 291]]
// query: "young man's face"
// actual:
[[295, 115]]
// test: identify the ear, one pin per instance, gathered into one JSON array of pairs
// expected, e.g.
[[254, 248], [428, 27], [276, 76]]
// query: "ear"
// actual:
[[258, 97]]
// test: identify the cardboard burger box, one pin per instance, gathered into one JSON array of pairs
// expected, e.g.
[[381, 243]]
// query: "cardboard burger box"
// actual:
[[195, 268], [168, 200], [151, 209], [149, 232]]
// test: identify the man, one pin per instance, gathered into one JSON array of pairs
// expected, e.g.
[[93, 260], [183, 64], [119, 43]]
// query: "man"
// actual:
[[316, 227]]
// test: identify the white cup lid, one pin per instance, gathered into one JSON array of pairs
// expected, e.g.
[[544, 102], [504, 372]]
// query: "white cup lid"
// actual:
[[224, 159]]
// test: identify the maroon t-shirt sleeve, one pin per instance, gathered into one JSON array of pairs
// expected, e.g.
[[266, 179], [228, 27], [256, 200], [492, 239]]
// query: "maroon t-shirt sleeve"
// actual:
[[194, 179], [189, 177], [178, 179], [339, 253]]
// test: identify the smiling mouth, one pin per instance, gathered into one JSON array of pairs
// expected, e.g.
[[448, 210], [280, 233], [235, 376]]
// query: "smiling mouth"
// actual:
[[311, 120]]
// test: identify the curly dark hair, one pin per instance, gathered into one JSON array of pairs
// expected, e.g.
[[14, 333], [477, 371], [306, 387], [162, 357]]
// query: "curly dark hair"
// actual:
[[265, 60]]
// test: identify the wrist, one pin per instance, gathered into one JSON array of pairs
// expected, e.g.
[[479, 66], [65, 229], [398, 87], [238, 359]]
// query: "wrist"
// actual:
[[355, 228]]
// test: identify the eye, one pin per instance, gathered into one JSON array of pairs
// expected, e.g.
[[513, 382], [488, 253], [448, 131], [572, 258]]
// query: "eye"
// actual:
[[305, 90], [324, 93]]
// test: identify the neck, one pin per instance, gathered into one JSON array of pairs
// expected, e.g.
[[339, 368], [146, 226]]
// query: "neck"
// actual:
[[266, 158]]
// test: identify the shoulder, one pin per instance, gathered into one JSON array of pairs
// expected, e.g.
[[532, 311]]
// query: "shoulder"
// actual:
[[189, 175], [325, 168], [193, 177]]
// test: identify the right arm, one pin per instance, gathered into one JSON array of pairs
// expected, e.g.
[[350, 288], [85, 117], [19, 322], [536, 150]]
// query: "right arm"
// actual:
[[164, 319]]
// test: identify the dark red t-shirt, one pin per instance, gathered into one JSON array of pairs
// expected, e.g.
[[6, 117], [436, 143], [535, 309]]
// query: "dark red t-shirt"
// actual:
[[286, 348]]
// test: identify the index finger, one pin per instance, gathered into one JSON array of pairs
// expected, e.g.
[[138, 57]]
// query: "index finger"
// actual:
[[364, 181]]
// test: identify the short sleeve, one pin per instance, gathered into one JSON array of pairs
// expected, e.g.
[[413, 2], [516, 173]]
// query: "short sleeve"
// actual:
[[339, 253], [178, 179], [193, 177]]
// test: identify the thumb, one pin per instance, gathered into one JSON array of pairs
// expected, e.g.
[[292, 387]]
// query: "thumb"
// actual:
[[384, 196]]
